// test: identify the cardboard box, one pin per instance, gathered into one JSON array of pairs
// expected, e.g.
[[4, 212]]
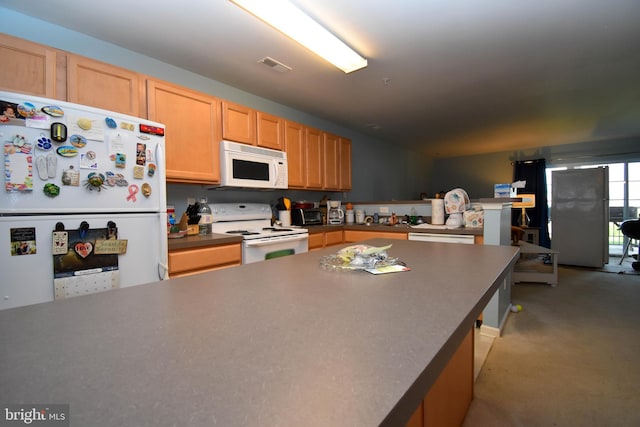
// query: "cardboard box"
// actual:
[[504, 191]]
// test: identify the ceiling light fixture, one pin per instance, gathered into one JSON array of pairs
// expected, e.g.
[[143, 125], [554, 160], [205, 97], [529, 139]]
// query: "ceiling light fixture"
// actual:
[[291, 21]]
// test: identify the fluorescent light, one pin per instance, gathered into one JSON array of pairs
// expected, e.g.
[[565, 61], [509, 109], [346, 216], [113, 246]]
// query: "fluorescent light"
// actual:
[[291, 21]]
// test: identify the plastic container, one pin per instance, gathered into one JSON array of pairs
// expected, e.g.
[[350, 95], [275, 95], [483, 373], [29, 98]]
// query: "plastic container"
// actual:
[[349, 216], [171, 216], [206, 218], [413, 219]]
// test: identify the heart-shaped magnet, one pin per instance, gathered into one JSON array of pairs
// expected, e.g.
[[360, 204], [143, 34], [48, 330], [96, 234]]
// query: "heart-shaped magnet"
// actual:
[[83, 249]]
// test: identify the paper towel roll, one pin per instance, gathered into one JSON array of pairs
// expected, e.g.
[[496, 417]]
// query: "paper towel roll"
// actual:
[[437, 211], [285, 218]]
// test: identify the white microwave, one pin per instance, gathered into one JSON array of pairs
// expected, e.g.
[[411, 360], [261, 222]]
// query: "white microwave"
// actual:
[[248, 166]]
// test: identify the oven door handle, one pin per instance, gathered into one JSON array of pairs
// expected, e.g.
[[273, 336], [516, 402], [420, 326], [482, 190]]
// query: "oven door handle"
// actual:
[[274, 240]]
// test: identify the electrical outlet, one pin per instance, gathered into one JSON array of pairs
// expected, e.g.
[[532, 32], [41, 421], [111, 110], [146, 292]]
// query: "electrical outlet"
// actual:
[[384, 210]]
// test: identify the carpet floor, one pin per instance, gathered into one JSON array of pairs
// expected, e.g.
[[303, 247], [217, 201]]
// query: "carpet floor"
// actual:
[[571, 357]]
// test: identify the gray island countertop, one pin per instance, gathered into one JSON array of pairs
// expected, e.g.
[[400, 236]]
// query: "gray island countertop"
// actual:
[[282, 342]]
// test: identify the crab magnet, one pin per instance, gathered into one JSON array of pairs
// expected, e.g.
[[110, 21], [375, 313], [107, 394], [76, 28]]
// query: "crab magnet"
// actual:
[[95, 181]]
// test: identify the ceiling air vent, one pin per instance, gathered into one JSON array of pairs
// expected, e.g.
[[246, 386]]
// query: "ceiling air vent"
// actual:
[[275, 65]]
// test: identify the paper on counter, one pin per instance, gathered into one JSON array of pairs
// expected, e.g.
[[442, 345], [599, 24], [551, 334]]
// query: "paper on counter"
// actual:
[[387, 269]]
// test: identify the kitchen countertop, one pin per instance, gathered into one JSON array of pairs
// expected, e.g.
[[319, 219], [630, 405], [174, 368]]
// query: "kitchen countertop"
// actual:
[[196, 241], [191, 242], [405, 228], [281, 342]]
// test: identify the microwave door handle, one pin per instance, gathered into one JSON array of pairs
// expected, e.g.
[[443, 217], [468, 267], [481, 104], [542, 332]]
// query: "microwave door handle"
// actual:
[[282, 239]]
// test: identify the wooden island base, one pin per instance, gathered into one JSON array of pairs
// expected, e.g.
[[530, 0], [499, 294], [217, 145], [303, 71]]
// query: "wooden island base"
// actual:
[[448, 400]]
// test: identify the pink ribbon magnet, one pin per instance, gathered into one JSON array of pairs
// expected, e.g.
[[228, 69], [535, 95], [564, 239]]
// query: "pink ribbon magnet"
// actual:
[[133, 190]]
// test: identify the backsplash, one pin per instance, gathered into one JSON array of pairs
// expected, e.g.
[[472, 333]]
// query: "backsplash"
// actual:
[[177, 195], [422, 208]]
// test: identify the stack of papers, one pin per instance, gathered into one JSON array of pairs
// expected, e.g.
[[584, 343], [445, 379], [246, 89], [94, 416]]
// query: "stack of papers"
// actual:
[[387, 269]]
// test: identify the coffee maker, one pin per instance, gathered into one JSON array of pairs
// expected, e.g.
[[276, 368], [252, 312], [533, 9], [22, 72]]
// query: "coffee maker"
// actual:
[[335, 215]]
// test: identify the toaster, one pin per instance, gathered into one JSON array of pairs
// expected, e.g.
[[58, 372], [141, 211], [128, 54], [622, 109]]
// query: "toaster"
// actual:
[[311, 216]]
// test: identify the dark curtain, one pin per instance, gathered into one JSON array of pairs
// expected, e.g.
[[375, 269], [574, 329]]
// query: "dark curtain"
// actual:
[[533, 171]]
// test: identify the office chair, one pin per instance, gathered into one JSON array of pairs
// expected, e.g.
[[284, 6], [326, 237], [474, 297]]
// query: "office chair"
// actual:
[[630, 229]]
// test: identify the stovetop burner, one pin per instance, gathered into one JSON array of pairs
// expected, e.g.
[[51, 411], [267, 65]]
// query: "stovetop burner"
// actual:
[[277, 230], [251, 221], [242, 232]]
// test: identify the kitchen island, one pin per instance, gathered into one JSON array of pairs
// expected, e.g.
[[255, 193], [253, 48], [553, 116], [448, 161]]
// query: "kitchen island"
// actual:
[[281, 342]]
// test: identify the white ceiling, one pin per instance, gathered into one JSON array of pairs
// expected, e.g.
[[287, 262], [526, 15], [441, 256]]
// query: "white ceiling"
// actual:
[[465, 76]]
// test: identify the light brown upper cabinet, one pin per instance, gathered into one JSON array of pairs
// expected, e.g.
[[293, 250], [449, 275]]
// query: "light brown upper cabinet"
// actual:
[[101, 85], [192, 133], [314, 140], [331, 162], [317, 160], [345, 164], [28, 68], [270, 131], [238, 123], [195, 122], [248, 126], [294, 139]]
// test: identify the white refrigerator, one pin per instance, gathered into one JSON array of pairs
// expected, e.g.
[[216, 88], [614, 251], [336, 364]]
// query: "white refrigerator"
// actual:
[[580, 216], [84, 204]]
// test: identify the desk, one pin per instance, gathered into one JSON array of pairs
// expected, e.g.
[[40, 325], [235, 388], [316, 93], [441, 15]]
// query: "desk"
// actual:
[[526, 270]]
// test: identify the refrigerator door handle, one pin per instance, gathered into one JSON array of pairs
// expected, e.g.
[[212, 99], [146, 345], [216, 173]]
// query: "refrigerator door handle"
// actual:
[[163, 268], [160, 162]]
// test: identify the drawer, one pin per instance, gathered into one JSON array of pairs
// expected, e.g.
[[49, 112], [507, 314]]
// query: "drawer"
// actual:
[[186, 260]]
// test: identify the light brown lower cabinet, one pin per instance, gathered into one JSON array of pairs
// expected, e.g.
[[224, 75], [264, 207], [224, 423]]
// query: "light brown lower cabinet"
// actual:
[[327, 238], [316, 241], [333, 237], [184, 262], [447, 401]]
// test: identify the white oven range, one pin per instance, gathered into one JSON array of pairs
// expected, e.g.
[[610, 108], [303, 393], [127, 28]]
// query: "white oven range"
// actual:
[[260, 240]]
